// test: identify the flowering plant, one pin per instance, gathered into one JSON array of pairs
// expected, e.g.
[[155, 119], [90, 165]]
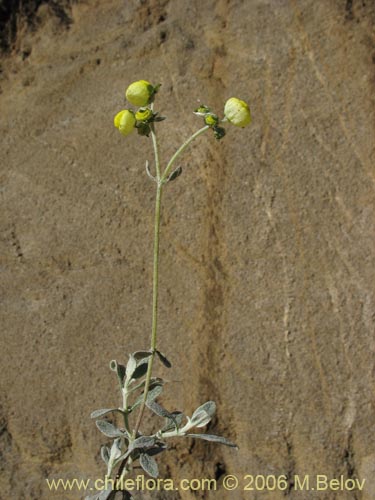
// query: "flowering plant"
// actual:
[[139, 388]]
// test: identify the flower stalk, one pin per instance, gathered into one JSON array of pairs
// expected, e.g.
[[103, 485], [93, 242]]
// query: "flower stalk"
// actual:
[[160, 180], [155, 296]]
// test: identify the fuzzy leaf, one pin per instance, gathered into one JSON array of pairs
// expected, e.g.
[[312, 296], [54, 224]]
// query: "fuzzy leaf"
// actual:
[[119, 369], [153, 382], [108, 429], [154, 392], [143, 442], [130, 367], [203, 414], [173, 421], [104, 453], [163, 359], [201, 418], [159, 410], [215, 439], [103, 411], [138, 355], [151, 396], [149, 465], [114, 455], [121, 372], [113, 365], [209, 407], [140, 370]]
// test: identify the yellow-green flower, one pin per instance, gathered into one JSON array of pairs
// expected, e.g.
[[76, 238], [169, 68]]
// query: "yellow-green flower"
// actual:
[[237, 112], [125, 121], [143, 114], [139, 93]]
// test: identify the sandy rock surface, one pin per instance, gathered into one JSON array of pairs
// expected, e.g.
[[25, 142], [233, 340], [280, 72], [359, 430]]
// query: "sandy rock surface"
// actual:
[[268, 238]]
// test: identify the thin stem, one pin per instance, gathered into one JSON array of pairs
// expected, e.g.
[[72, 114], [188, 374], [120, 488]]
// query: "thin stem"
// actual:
[[155, 284], [156, 151], [155, 288], [155, 146], [181, 149]]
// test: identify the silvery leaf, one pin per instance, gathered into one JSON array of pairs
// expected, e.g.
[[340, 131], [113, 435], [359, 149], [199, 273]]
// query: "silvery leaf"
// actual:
[[151, 396], [200, 419], [104, 411], [143, 442], [203, 414], [173, 421], [149, 465], [153, 382], [108, 429], [155, 390], [113, 365], [138, 355], [119, 369], [104, 452], [130, 367], [209, 407], [115, 454], [159, 410], [215, 439], [140, 370]]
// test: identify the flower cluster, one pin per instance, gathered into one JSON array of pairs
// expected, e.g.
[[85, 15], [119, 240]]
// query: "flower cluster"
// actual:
[[236, 112], [142, 93], [139, 94]]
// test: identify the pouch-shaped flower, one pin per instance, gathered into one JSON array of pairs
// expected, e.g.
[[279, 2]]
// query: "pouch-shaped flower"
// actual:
[[125, 121], [237, 112]]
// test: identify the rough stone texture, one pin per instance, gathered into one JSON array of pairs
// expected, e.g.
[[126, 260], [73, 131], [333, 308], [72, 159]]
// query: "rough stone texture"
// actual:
[[267, 256]]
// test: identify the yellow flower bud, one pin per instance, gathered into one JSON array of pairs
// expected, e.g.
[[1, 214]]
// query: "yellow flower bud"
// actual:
[[237, 112], [125, 121], [143, 114], [139, 93]]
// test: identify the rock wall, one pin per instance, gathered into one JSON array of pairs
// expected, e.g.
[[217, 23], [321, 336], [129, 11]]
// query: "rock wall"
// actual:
[[267, 251]]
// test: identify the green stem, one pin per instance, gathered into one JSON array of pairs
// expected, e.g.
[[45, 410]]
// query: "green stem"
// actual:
[[155, 287], [181, 149], [156, 150], [155, 284]]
